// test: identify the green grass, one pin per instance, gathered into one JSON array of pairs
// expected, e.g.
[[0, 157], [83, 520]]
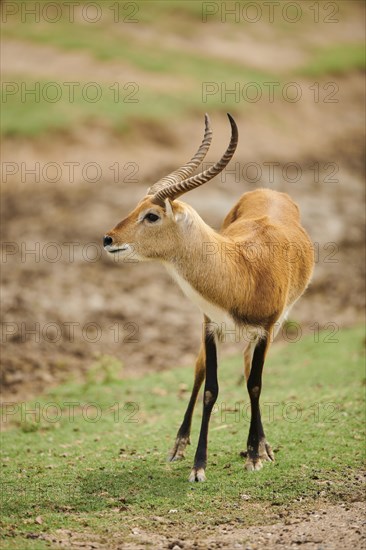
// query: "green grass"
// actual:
[[32, 115], [337, 60], [109, 475]]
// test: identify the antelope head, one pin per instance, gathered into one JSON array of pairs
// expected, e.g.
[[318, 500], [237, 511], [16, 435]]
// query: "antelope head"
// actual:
[[156, 227]]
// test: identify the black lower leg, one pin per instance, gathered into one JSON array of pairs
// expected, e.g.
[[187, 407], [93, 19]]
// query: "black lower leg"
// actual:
[[182, 438], [254, 385], [209, 398], [185, 428]]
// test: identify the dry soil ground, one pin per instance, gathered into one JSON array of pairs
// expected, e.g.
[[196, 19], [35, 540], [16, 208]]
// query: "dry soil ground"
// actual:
[[327, 527]]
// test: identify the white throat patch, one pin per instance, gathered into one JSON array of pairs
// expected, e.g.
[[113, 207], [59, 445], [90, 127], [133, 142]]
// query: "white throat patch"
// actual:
[[217, 315]]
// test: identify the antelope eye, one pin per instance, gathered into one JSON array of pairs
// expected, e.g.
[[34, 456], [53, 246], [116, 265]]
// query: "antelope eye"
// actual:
[[151, 217]]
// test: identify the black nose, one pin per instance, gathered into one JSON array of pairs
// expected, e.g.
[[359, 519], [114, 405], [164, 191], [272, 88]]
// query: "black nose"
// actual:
[[107, 240]]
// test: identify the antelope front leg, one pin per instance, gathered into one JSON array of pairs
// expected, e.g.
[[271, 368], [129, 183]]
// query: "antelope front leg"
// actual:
[[182, 439], [258, 449], [209, 398]]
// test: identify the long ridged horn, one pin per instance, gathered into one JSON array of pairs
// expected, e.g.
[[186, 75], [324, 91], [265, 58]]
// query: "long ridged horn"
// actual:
[[185, 171], [175, 190]]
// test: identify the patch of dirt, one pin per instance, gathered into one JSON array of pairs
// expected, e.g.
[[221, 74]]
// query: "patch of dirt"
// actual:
[[327, 527]]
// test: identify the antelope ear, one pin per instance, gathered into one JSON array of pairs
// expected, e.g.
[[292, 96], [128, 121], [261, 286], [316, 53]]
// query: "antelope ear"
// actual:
[[168, 208]]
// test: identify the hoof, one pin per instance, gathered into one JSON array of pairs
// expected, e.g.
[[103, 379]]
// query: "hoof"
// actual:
[[197, 474], [253, 464], [255, 460], [177, 452]]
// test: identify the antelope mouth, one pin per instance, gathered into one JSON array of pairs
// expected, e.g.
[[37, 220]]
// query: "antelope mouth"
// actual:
[[120, 249]]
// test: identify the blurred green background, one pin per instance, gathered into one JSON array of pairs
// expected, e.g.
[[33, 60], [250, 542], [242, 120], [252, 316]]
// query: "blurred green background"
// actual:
[[168, 49]]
